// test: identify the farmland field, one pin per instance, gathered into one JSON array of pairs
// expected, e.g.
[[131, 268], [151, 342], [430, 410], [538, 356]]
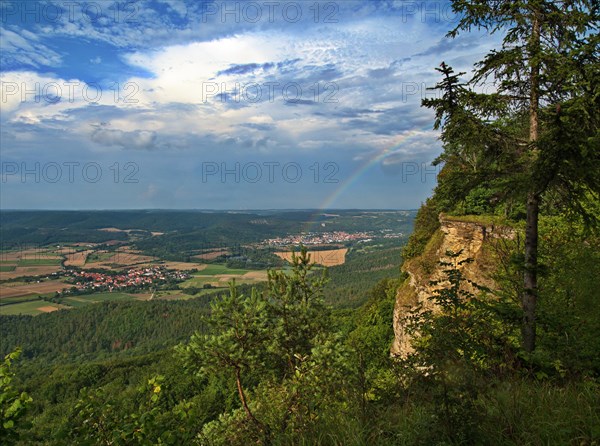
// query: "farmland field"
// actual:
[[210, 255], [184, 266], [77, 258], [28, 262], [331, 257], [40, 261], [212, 270], [99, 256], [19, 271], [50, 286], [219, 276], [18, 299], [33, 307], [118, 260], [127, 258], [87, 299]]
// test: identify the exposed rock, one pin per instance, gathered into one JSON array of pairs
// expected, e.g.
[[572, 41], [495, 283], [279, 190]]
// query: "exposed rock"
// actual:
[[454, 235]]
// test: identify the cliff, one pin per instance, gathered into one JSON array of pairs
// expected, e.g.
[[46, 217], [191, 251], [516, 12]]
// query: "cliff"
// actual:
[[474, 236]]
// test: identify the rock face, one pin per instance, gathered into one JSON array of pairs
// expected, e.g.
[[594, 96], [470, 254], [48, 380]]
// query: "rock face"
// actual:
[[475, 241]]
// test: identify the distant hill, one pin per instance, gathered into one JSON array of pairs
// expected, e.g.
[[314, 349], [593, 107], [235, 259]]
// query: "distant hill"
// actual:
[[186, 230]]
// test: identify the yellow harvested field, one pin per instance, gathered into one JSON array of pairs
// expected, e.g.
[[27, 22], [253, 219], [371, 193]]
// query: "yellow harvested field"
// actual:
[[256, 275], [47, 309], [77, 258], [29, 271], [121, 259], [330, 257]]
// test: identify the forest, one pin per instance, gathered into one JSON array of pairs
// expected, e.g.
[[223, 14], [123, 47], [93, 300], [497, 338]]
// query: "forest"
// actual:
[[283, 365]]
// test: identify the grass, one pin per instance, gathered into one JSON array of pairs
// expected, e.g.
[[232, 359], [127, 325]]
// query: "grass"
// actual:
[[30, 308], [198, 281], [7, 268], [89, 299], [172, 295], [72, 302], [39, 262], [542, 413], [214, 269], [29, 304], [102, 297], [15, 283], [18, 299], [177, 297], [425, 263]]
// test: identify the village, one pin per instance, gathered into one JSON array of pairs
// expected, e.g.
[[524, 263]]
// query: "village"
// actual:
[[133, 279], [323, 238]]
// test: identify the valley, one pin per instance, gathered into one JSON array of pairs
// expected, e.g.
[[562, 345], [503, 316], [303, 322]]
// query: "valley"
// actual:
[[145, 262]]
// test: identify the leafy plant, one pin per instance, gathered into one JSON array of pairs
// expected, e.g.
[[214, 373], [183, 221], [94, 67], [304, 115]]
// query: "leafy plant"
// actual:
[[13, 404]]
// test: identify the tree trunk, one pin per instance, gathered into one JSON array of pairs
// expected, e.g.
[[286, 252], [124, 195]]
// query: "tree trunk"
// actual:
[[529, 297], [238, 380]]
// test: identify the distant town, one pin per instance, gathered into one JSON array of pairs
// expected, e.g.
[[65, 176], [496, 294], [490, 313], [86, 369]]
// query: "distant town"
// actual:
[[323, 238], [142, 278]]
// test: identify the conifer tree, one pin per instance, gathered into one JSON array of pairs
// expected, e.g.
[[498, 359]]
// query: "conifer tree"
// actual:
[[541, 124]]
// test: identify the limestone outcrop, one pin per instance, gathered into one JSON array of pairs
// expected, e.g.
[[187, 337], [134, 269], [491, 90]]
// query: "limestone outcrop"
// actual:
[[471, 236]]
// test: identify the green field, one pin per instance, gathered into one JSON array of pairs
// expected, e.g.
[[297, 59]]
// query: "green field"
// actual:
[[198, 281], [100, 297], [7, 268], [18, 299], [39, 262], [173, 295], [30, 307], [75, 302], [213, 269], [99, 257], [210, 273]]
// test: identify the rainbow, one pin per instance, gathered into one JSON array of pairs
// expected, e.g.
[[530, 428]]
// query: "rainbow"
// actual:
[[377, 158], [368, 164]]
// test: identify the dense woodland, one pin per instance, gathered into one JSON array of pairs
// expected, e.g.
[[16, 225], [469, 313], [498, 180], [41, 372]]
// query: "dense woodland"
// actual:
[[281, 366]]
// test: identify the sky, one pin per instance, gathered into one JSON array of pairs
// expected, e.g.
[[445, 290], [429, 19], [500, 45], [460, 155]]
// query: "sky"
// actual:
[[175, 104]]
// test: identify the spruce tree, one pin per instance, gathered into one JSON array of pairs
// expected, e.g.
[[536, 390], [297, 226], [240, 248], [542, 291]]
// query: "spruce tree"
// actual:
[[543, 112]]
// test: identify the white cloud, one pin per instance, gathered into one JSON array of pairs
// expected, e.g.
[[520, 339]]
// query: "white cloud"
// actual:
[[371, 60], [23, 47]]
